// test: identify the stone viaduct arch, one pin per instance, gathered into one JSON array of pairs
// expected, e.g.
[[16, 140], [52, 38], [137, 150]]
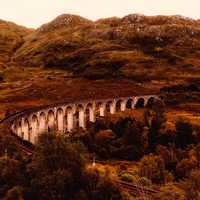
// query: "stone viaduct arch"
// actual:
[[64, 118]]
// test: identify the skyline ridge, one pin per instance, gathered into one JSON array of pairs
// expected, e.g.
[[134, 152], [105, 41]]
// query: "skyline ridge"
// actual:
[[96, 20], [31, 13]]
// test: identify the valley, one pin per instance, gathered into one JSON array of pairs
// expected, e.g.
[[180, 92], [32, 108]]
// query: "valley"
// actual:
[[74, 59]]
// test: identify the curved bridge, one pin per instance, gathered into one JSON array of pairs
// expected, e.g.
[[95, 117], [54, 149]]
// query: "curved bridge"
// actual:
[[65, 117]]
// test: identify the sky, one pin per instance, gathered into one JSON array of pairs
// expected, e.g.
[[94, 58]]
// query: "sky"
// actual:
[[33, 13]]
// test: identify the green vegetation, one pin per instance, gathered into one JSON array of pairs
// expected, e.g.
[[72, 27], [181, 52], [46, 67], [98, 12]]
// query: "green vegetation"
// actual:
[[57, 170], [163, 157], [182, 93], [65, 58], [11, 37], [60, 167], [154, 52], [135, 47]]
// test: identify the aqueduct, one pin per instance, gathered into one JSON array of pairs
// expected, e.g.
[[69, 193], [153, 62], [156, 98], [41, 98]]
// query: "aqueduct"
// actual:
[[65, 117]]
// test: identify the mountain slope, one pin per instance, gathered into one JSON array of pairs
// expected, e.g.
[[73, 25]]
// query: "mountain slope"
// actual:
[[135, 46], [11, 38]]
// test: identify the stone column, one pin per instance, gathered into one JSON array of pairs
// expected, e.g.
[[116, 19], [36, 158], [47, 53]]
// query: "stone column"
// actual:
[[19, 130], [34, 131], [25, 129], [42, 123], [51, 121], [81, 118], [70, 121], [92, 115], [146, 101], [134, 102], [102, 109], [123, 105], [60, 121], [113, 107]]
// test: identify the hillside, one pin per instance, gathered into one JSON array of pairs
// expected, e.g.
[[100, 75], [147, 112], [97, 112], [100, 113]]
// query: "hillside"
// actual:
[[135, 46], [152, 149], [135, 54], [11, 38]]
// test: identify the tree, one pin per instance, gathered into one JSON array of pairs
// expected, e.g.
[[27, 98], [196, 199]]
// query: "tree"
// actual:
[[153, 168], [169, 156], [101, 188], [154, 119], [120, 126], [133, 140], [56, 168], [184, 135], [10, 174], [192, 185], [15, 193], [8, 145], [122, 139], [185, 166], [51, 151], [197, 149], [59, 171]]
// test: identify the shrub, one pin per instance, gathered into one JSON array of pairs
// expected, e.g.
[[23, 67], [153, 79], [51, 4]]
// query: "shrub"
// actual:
[[185, 166], [15, 193], [192, 185], [170, 192], [127, 178], [184, 131], [153, 168]]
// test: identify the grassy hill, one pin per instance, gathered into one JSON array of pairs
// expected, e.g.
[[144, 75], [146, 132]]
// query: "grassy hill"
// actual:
[[135, 47], [11, 38], [72, 58], [66, 58]]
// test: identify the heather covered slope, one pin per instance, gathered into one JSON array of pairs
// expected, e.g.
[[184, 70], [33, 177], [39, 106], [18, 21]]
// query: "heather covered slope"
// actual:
[[11, 38], [132, 55], [136, 47]]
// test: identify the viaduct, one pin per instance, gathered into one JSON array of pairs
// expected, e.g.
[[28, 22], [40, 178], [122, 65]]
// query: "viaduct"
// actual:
[[65, 117]]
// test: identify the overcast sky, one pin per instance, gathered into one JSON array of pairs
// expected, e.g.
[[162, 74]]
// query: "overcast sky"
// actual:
[[33, 13]]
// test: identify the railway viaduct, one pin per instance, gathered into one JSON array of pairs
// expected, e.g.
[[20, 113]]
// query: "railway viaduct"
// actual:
[[65, 117]]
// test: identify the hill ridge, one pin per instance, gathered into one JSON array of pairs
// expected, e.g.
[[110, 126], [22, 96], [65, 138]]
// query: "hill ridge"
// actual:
[[11, 38], [62, 21], [134, 46]]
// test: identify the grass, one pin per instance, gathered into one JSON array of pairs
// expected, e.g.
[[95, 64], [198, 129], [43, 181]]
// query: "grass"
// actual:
[[26, 87], [121, 58], [192, 117], [117, 48]]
